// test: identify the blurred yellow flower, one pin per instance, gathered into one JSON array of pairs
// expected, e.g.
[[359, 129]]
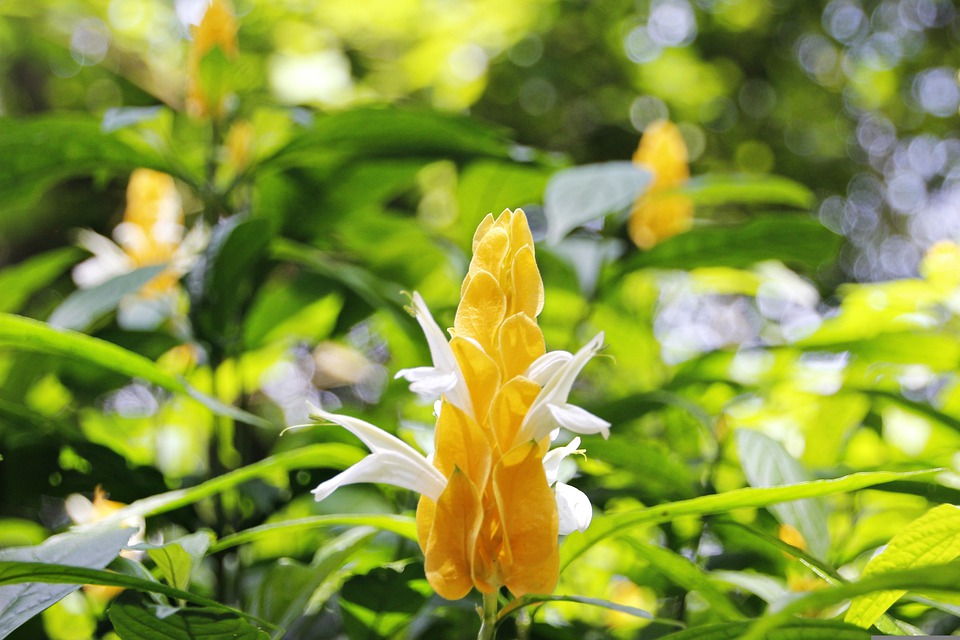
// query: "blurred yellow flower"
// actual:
[[83, 511], [218, 28], [491, 508], [656, 215], [151, 233], [239, 145]]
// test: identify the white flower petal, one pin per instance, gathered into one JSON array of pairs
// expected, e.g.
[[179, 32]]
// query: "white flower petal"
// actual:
[[543, 368], [551, 461], [108, 261], [574, 509], [579, 420], [387, 467], [540, 419], [393, 460], [444, 362]]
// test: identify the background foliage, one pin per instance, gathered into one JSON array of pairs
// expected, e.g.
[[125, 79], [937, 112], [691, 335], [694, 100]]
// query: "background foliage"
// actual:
[[796, 335]]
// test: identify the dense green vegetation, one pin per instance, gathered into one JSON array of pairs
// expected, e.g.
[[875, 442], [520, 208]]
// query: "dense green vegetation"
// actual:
[[213, 222]]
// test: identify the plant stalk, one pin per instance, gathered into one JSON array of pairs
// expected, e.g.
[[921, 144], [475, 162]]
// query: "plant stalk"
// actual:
[[488, 628]]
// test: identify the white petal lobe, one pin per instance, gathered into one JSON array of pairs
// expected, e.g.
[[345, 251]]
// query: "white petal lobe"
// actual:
[[574, 509]]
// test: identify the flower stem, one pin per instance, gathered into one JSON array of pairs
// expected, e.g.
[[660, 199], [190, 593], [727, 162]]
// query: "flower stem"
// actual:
[[489, 627]]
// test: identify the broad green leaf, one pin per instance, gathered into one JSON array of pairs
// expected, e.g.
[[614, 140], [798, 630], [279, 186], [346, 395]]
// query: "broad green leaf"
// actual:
[[17, 332], [795, 630], [177, 559], [288, 588], [403, 526], [83, 307], [582, 194], [371, 132], [790, 238], [21, 281], [717, 189], [577, 543], [20, 600], [684, 573], [767, 588], [41, 151], [333, 456], [490, 186], [132, 622], [767, 464], [933, 538], [15, 573], [938, 577]]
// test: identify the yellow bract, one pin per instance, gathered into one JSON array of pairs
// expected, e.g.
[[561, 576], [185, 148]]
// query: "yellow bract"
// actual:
[[218, 28], [152, 227], [496, 521], [657, 216]]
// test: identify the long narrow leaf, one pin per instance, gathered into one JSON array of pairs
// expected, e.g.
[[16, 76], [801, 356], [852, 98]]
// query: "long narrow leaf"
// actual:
[[404, 526], [17, 332], [333, 455], [578, 543], [25, 572]]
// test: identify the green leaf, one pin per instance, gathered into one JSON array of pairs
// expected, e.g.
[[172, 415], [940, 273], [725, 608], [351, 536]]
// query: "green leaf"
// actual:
[[939, 577], [767, 464], [790, 238], [531, 600], [717, 189], [14, 573], [403, 526], [23, 599], [685, 574], [132, 622], [177, 559], [371, 132], [26, 334], [332, 455], [83, 307], [288, 588], [21, 281], [932, 538], [795, 630], [581, 194], [41, 151], [579, 542]]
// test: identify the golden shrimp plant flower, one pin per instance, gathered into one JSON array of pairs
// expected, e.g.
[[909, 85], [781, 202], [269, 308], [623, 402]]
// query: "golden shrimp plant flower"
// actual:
[[152, 233], [217, 29], [658, 215], [491, 508]]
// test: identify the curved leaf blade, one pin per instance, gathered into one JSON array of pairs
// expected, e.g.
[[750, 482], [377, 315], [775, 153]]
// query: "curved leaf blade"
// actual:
[[136, 623]]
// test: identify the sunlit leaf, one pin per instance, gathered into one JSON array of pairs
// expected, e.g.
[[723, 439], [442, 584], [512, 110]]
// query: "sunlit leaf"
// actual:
[[176, 559], [22, 599], [767, 464], [717, 189], [582, 194], [795, 630], [931, 539], [577, 543], [401, 525]]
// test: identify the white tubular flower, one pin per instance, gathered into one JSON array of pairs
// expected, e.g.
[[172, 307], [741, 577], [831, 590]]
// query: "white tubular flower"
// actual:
[[444, 377], [573, 506], [392, 461], [550, 410]]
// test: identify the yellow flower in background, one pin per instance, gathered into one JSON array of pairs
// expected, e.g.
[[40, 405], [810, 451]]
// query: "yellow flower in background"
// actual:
[[152, 233], [218, 28], [491, 508], [81, 510], [656, 216]]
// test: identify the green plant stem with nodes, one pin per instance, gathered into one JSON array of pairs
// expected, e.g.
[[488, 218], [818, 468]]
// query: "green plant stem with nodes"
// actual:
[[488, 628]]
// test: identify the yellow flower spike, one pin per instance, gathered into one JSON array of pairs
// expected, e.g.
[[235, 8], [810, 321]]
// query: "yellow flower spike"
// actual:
[[492, 508], [655, 216], [218, 28], [151, 233]]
